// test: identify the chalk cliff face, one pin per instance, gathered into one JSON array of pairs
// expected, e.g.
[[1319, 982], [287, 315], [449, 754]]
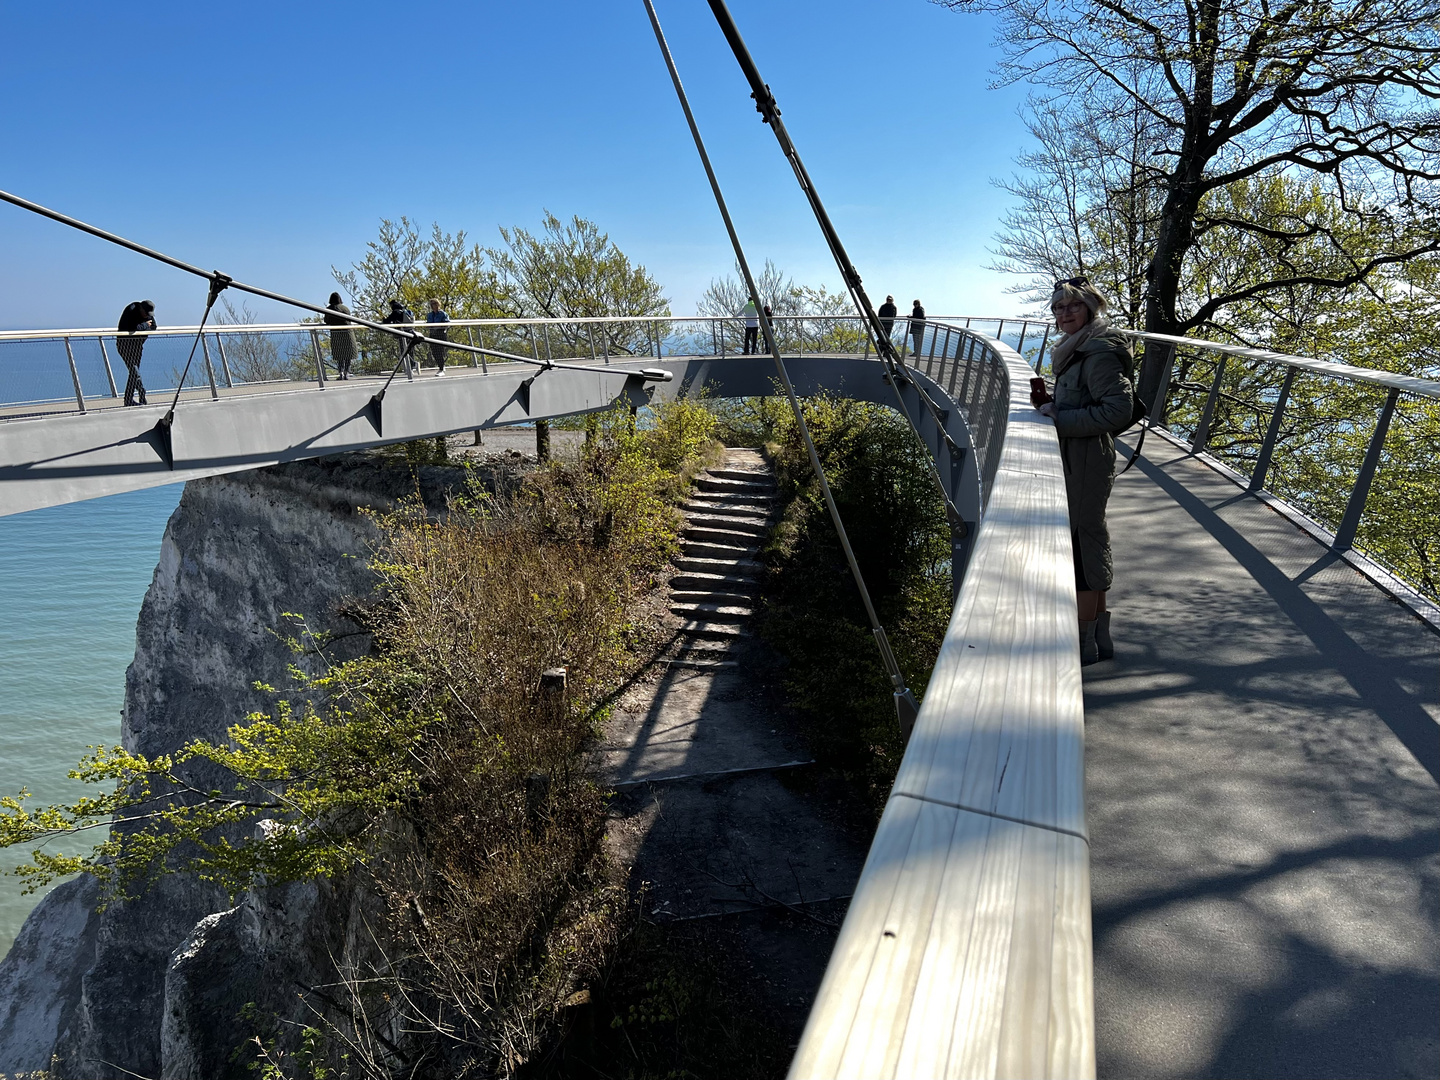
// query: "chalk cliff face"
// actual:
[[91, 988]]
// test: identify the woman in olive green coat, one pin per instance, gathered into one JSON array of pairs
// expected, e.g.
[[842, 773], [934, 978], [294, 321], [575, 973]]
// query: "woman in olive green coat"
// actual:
[[1094, 397]]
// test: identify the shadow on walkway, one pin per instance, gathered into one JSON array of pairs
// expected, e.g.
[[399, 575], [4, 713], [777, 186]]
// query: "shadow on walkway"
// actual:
[[1262, 758]]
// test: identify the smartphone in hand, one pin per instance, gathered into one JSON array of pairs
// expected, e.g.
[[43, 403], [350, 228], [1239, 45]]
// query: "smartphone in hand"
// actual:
[[1038, 394]]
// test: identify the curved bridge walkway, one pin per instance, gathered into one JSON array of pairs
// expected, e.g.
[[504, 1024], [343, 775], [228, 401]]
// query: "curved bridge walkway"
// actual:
[[1261, 828], [1261, 758]]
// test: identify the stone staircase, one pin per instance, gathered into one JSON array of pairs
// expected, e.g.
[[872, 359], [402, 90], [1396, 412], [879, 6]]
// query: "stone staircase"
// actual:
[[713, 592]]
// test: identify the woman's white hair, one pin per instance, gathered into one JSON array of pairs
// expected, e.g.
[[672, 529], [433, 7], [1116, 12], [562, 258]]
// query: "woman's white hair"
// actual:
[[1078, 289]]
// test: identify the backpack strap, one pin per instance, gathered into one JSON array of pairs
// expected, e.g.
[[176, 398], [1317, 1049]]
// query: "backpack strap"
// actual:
[[1140, 442]]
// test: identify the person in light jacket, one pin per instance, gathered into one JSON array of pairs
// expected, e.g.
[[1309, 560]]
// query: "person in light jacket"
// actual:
[[752, 327], [342, 342], [1094, 397]]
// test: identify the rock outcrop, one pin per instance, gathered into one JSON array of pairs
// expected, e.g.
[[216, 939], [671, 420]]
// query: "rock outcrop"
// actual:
[[91, 989]]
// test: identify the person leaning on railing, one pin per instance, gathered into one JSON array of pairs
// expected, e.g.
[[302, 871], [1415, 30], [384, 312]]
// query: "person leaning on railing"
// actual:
[[1094, 399], [138, 316]]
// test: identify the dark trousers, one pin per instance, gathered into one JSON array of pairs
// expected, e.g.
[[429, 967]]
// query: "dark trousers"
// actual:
[[437, 353], [918, 333], [752, 339], [129, 350], [133, 385]]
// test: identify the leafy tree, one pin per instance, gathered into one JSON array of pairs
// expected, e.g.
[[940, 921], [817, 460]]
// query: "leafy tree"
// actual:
[[572, 270], [1195, 96], [402, 264], [725, 298]]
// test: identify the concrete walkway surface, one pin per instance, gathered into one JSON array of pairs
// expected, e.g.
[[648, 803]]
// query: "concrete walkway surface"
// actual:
[[1262, 756]]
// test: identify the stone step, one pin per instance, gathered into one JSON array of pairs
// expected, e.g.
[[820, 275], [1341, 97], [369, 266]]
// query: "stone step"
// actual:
[[730, 524], [713, 599], [716, 613], [709, 535], [727, 507], [735, 487], [764, 503], [718, 568], [689, 586], [702, 665], [744, 592], [713, 631], [698, 550], [748, 476]]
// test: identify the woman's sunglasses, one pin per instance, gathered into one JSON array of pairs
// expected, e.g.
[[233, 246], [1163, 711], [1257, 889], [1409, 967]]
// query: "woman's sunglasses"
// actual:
[[1077, 281]]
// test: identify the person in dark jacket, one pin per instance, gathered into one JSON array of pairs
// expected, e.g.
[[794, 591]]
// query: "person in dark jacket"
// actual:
[[342, 342], [399, 313], [137, 317], [437, 333], [917, 326], [1094, 399], [887, 314]]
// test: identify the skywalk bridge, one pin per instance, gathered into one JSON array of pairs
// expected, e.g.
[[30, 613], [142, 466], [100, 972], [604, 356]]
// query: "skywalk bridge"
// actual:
[[1252, 889]]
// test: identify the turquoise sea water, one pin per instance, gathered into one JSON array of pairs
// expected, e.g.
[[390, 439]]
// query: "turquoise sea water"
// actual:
[[71, 581]]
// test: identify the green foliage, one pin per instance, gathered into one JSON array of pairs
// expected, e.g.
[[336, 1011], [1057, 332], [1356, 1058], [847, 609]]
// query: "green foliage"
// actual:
[[434, 771], [1328, 422], [813, 616]]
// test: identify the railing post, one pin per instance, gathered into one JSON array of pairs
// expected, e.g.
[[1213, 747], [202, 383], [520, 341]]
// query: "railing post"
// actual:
[[1201, 438], [75, 376], [319, 360], [224, 361], [534, 347], [109, 371], [1272, 433], [1159, 400], [224, 373], [1000, 331], [209, 368], [1040, 357], [549, 355], [590, 330], [1024, 325], [1350, 523]]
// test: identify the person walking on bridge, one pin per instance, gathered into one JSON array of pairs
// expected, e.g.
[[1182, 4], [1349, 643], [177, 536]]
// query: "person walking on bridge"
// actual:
[[137, 317], [342, 342], [887, 314], [917, 326], [437, 333], [1094, 399], [752, 327]]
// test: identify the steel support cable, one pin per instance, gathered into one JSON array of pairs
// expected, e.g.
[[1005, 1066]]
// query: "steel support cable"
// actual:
[[906, 707], [221, 281], [896, 371]]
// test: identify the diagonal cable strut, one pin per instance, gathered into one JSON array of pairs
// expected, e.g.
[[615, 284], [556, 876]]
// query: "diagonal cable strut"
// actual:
[[896, 373], [906, 708], [219, 281]]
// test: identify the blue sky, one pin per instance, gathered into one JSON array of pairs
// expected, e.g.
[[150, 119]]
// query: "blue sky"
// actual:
[[267, 140]]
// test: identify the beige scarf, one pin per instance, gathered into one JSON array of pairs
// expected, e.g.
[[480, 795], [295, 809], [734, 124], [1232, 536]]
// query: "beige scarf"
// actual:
[[1064, 351]]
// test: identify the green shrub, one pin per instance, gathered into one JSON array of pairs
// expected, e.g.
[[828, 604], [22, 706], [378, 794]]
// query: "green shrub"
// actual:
[[880, 476]]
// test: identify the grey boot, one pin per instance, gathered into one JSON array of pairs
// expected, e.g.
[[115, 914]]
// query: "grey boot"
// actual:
[[1103, 641], [1089, 651]]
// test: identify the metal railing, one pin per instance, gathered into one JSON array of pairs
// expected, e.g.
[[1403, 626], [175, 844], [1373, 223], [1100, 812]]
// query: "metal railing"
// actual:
[[1327, 439], [1351, 452], [46, 371]]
